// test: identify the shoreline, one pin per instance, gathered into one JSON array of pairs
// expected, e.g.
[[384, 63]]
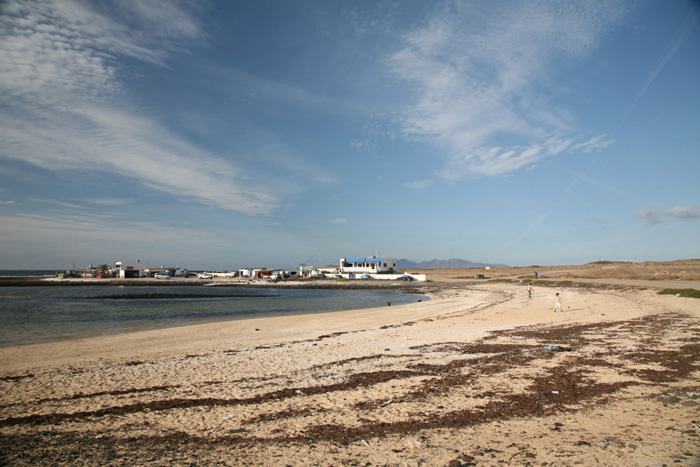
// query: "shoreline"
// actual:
[[182, 294], [175, 338], [233, 283], [479, 374]]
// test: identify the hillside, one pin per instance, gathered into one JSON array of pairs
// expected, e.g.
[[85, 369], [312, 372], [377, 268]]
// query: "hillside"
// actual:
[[451, 263]]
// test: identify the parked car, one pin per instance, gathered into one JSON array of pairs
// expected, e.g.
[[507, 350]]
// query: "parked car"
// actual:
[[404, 278], [205, 275], [161, 275], [366, 276]]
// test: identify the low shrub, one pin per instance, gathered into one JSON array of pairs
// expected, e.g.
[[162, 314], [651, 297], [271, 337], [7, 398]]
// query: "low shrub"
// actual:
[[690, 293]]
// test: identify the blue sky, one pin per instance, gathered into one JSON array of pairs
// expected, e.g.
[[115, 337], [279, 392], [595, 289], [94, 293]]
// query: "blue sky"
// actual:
[[228, 134]]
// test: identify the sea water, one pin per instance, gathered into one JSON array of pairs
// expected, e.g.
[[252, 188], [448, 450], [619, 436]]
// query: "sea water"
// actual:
[[27, 272], [31, 315]]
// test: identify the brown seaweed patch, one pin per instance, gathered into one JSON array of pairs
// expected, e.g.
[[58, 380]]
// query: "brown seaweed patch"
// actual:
[[134, 363], [557, 333], [572, 389], [100, 394], [16, 378], [676, 363], [352, 382], [400, 325], [289, 413], [334, 334]]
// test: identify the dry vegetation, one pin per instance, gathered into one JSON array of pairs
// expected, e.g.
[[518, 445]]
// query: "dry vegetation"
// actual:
[[683, 270]]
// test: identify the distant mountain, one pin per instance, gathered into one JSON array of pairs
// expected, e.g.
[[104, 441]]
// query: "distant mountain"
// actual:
[[443, 264]]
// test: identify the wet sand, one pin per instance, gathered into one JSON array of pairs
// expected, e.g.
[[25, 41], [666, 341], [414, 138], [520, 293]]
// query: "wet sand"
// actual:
[[480, 375]]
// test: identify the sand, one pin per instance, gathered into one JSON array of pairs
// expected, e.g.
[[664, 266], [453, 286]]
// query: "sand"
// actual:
[[480, 375]]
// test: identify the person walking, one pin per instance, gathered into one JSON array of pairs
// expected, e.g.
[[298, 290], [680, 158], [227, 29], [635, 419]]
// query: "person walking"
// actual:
[[529, 291], [557, 305]]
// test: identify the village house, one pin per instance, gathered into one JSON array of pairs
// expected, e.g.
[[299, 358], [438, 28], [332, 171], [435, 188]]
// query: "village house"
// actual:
[[124, 270], [369, 265], [170, 271], [255, 273]]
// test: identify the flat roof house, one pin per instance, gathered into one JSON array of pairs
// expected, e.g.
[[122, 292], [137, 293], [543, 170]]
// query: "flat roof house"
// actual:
[[126, 270], [170, 271], [368, 265], [254, 273]]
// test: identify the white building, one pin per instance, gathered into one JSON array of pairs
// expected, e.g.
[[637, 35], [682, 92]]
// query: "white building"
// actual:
[[125, 270], [369, 265], [170, 271], [254, 273]]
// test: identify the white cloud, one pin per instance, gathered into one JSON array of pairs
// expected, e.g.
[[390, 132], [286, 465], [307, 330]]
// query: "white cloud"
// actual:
[[59, 79], [93, 138], [339, 221], [58, 47], [478, 74], [692, 211], [655, 216], [650, 215], [594, 144]]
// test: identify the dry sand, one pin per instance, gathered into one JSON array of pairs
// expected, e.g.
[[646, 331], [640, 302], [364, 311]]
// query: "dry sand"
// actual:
[[481, 375]]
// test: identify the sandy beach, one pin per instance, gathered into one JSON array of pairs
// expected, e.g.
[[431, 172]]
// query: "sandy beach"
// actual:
[[479, 375]]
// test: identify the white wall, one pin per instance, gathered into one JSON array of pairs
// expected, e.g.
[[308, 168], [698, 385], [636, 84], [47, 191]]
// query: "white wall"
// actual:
[[390, 263], [135, 266], [416, 277]]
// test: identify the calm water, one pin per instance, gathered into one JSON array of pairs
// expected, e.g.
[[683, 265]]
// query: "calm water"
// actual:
[[31, 315], [28, 272]]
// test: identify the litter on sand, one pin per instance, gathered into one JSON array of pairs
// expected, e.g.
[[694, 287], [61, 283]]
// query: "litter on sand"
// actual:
[[556, 348]]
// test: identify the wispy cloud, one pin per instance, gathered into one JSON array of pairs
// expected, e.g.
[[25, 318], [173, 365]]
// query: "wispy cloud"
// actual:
[[418, 184], [55, 202], [63, 99], [656, 216], [594, 144], [340, 220], [518, 240], [692, 211], [479, 73], [23, 237], [53, 47], [109, 201], [690, 22]]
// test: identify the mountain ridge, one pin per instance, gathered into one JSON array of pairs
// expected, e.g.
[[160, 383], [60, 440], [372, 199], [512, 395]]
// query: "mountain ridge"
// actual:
[[443, 264]]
